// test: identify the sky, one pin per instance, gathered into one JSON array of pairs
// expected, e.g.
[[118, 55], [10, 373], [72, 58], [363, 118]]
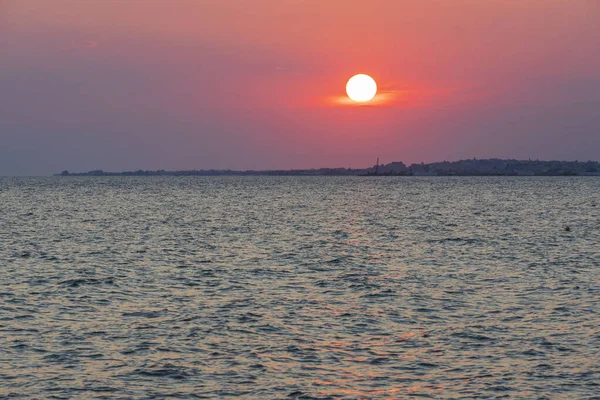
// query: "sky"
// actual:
[[260, 84]]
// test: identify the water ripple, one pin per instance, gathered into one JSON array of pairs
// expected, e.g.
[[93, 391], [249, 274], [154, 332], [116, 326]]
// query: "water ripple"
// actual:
[[299, 288]]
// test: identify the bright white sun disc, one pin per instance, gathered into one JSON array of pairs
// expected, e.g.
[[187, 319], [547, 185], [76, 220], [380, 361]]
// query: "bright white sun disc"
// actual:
[[361, 88]]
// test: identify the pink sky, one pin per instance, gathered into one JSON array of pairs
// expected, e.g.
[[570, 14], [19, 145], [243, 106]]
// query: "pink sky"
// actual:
[[256, 84]]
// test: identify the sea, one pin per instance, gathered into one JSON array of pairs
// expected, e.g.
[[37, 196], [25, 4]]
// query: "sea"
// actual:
[[300, 287]]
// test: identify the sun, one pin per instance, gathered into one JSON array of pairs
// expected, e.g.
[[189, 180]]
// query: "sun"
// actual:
[[361, 88]]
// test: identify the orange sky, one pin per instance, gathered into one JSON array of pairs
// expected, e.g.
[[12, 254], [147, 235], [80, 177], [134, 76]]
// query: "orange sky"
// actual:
[[257, 83]]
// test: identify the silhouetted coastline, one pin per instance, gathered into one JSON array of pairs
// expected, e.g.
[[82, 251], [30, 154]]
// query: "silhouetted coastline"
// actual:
[[470, 167]]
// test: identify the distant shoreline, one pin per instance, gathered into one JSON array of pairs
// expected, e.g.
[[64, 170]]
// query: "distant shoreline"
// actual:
[[470, 167]]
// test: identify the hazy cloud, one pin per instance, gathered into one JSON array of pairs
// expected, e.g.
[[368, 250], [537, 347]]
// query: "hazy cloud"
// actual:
[[83, 44]]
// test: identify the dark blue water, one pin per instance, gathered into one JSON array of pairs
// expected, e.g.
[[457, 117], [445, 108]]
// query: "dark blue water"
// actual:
[[289, 287]]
